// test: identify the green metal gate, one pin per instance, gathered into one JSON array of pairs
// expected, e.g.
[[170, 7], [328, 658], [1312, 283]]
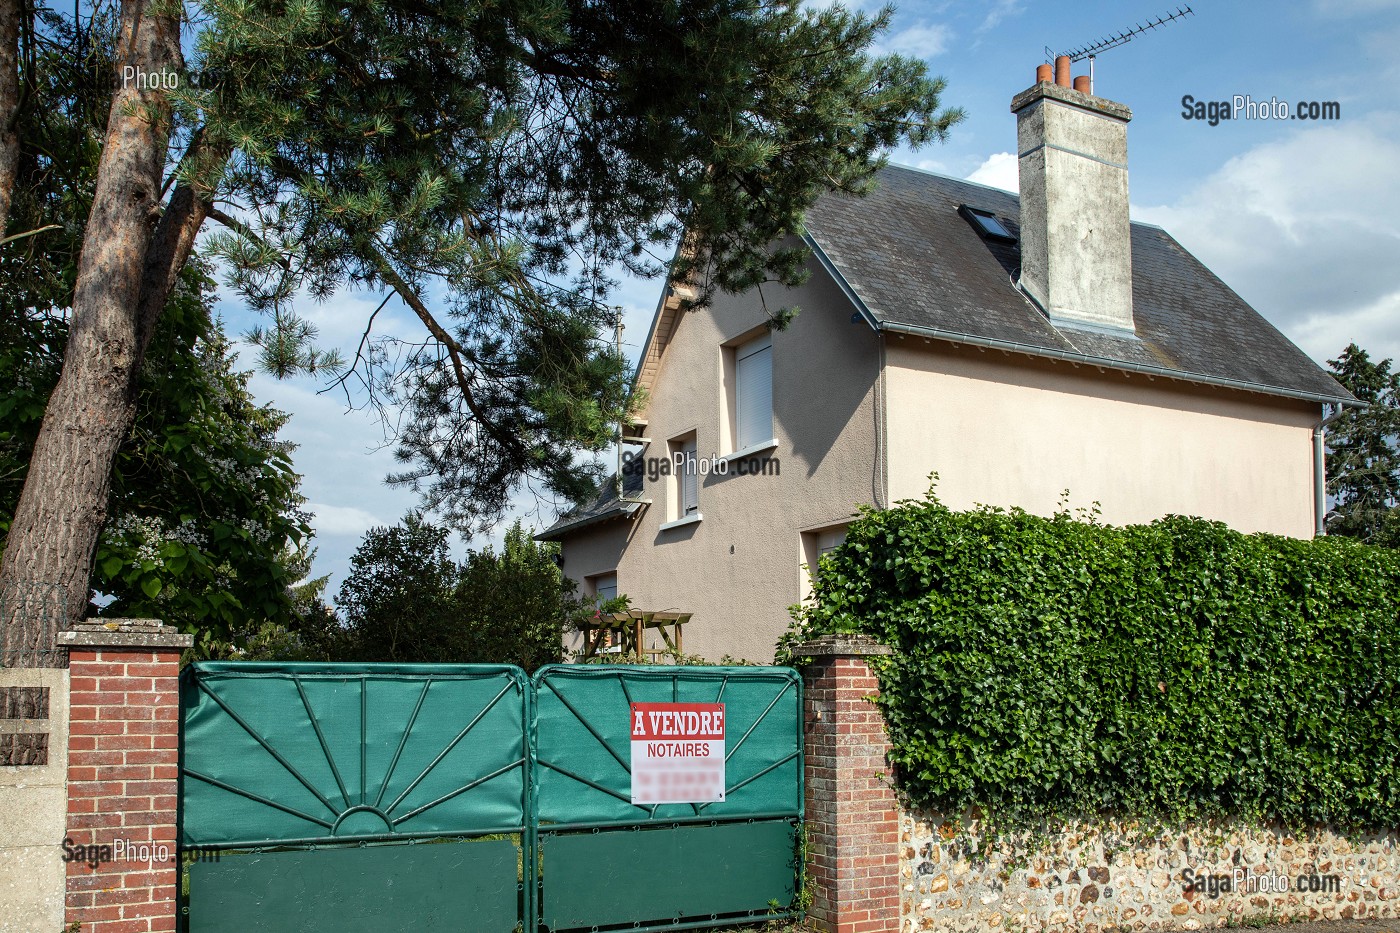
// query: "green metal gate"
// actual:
[[353, 799], [607, 863], [350, 798]]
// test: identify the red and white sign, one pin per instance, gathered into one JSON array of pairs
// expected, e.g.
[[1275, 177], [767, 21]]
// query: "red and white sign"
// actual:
[[677, 752]]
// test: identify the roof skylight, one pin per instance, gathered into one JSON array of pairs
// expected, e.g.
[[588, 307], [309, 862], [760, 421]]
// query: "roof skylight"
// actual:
[[988, 224]]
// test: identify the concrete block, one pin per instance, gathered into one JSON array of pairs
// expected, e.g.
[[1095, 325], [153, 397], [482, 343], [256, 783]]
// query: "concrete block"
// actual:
[[33, 815], [32, 882]]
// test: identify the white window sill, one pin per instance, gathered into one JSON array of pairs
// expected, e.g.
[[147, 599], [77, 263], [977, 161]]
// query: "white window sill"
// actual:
[[681, 522], [749, 451]]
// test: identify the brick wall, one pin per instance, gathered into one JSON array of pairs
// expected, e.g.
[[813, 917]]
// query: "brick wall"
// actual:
[[852, 821], [122, 776]]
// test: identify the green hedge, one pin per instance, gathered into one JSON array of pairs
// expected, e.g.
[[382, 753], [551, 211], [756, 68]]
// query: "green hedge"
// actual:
[[1178, 670]]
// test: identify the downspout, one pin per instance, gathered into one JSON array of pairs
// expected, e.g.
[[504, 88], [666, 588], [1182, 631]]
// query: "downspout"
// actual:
[[1320, 468], [617, 348], [881, 476]]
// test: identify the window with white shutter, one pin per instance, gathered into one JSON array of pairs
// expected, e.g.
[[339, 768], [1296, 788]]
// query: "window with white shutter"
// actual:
[[683, 482], [753, 392], [689, 480], [816, 545], [830, 540]]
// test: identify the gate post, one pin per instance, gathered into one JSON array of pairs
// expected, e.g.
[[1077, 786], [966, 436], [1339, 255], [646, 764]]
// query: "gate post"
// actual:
[[851, 817], [123, 775]]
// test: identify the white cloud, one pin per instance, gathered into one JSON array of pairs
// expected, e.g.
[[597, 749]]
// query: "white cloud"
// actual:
[[342, 318], [925, 40], [1000, 10], [1375, 328], [1000, 170], [1307, 229], [932, 165], [341, 519], [343, 460]]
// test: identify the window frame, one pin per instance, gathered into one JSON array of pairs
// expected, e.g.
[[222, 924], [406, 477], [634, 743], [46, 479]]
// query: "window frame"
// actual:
[[679, 512], [811, 550], [596, 579], [746, 351], [979, 218]]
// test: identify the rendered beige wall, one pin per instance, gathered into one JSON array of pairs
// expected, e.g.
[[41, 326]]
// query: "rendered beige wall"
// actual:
[[33, 817], [738, 569], [590, 552], [1012, 431]]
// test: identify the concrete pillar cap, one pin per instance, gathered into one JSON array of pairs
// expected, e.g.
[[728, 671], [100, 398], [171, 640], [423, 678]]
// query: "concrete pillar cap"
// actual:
[[841, 645], [124, 633]]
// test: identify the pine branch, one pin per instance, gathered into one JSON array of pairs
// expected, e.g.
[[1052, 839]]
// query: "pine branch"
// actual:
[[455, 352], [248, 233]]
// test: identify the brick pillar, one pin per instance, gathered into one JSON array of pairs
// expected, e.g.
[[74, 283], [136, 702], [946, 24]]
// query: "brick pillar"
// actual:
[[123, 764], [852, 823]]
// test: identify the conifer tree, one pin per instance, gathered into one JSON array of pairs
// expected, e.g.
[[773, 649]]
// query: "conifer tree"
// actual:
[[484, 164], [204, 523], [1363, 452]]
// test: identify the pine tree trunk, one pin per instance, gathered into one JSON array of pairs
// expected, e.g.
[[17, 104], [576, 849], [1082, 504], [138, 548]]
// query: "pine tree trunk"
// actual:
[[10, 13], [53, 538]]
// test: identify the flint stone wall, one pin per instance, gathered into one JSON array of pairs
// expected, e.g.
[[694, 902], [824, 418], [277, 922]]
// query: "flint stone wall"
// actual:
[[1117, 877]]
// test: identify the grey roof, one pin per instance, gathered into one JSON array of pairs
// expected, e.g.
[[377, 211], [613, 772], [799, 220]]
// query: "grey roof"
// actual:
[[912, 261], [603, 506]]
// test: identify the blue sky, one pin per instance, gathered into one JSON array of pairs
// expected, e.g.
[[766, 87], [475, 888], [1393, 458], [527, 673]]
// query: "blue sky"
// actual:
[[1301, 218]]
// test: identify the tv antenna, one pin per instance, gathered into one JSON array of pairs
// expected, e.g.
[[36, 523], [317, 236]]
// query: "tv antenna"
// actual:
[[1092, 50]]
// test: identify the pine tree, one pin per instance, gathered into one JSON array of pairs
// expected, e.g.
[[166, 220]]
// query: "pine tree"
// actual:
[[1363, 459], [204, 503], [482, 163]]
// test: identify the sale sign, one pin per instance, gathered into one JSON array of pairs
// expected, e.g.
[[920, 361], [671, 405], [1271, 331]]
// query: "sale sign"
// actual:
[[677, 752]]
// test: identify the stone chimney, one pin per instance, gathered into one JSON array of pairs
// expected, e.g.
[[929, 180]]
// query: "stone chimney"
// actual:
[[1076, 254]]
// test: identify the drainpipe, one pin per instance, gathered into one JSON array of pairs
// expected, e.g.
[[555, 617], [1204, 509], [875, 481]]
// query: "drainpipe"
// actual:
[[617, 348], [1320, 467]]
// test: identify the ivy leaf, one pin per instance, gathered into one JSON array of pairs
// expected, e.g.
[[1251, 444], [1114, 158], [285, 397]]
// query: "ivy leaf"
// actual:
[[1055, 668]]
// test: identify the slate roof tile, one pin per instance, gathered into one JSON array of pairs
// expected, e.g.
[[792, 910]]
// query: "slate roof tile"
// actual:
[[914, 260]]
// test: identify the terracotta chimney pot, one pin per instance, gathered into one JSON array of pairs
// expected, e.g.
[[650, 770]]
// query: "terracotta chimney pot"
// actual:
[[1062, 70], [1081, 84], [1044, 74]]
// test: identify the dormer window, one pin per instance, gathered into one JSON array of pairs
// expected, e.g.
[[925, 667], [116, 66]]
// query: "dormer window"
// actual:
[[987, 224]]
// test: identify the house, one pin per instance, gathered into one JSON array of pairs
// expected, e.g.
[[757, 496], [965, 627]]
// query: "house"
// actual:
[[1019, 347]]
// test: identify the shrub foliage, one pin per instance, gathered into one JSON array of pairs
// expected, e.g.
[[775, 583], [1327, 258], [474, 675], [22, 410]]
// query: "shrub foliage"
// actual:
[[406, 600], [1177, 670]]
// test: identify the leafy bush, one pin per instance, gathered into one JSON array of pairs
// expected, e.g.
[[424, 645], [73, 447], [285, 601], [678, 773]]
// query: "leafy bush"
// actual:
[[406, 600], [1177, 670], [205, 521]]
